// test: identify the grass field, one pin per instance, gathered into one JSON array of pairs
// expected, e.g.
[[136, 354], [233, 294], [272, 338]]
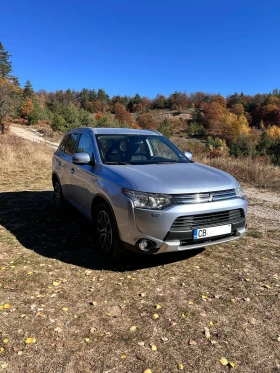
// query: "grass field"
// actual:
[[169, 313]]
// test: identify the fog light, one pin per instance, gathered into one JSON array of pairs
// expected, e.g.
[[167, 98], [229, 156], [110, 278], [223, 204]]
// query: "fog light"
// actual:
[[145, 245]]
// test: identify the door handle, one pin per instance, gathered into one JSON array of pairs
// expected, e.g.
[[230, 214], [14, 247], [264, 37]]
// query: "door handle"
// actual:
[[72, 170]]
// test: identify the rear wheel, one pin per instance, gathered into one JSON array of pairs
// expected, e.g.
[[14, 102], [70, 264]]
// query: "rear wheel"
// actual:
[[105, 231], [58, 196]]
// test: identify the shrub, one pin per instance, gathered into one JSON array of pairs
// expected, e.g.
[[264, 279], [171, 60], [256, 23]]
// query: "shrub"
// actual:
[[165, 128], [196, 129], [240, 147], [216, 147], [58, 123], [274, 152]]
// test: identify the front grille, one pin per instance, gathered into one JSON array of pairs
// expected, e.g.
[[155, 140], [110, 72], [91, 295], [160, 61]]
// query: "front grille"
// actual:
[[185, 223], [182, 199]]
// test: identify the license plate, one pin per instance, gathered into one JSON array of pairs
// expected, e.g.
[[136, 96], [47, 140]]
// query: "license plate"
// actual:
[[199, 233]]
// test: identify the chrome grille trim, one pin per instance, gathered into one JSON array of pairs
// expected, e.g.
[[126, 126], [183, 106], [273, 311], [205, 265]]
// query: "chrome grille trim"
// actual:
[[182, 199]]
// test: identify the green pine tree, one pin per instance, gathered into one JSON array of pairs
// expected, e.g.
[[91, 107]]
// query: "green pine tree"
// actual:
[[28, 91], [5, 64]]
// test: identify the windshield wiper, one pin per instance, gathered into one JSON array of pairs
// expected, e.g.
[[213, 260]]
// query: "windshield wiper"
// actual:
[[116, 163]]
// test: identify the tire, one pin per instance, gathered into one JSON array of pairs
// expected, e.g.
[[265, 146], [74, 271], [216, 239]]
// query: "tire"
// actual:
[[106, 236], [58, 196]]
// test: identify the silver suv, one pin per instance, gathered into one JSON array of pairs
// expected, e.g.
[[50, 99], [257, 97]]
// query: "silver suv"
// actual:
[[143, 194]]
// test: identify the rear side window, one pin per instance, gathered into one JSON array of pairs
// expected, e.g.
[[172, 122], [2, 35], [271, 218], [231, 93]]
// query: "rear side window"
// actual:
[[63, 143], [71, 145]]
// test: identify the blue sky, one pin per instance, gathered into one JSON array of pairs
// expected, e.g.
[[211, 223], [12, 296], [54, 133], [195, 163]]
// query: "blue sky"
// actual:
[[148, 47]]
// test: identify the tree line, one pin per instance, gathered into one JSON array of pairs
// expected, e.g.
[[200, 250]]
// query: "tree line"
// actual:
[[232, 121]]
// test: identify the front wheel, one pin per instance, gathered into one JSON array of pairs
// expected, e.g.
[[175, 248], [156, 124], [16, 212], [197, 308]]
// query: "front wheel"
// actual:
[[105, 231]]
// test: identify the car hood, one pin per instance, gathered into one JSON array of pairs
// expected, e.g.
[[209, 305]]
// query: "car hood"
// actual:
[[175, 178]]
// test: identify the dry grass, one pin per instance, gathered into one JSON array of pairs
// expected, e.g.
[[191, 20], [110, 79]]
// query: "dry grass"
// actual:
[[239, 283], [24, 164]]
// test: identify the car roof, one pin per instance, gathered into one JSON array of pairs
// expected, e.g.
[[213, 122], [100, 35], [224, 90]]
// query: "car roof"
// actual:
[[117, 131]]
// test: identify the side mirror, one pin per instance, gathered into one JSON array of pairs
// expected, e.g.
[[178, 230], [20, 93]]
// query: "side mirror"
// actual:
[[81, 158], [188, 155]]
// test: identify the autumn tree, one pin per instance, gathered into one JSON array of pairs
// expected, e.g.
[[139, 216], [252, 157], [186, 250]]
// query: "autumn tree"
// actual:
[[9, 99], [122, 115], [26, 109], [147, 120], [237, 109], [273, 132], [233, 126], [213, 112]]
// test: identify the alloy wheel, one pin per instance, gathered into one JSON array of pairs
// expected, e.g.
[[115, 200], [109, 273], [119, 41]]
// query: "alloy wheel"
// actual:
[[104, 231]]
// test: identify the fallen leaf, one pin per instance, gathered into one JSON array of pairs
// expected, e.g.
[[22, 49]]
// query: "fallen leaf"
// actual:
[[143, 295], [278, 339], [192, 342], [185, 314], [2, 349], [211, 323], [204, 296], [232, 364], [148, 371], [19, 353], [87, 340], [29, 273], [58, 329], [155, 316], [4, 365], [207, 333], [133, 328], [158, 306], [123, 356], [65, 309], [30, 340], [224, 361], [55, 283], [92, 330], [6, 306], [154, 347], [267, 286], [5, 340], [180, 366]]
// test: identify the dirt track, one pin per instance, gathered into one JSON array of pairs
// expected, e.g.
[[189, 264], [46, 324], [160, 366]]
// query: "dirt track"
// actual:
[[31, 135]]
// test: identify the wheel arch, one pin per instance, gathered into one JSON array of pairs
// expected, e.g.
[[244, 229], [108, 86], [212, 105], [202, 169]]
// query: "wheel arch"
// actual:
[[97, 200]]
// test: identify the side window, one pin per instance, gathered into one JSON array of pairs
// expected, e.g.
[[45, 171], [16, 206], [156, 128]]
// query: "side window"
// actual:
[[63, 143], [85, 145], [71, 145]]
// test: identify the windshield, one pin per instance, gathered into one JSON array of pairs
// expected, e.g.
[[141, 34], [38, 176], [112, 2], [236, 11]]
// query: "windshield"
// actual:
[[138, 149]]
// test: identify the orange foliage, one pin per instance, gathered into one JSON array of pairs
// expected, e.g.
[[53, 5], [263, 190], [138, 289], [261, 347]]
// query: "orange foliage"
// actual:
[[98, 115], [122, 115], [27, 107], [147, 120]]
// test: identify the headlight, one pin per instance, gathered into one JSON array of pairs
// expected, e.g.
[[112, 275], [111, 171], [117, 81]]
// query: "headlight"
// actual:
[[239, 192], [150, 201]]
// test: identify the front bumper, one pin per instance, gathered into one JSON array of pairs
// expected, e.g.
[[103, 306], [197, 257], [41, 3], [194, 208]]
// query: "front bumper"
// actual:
[[155, 226]]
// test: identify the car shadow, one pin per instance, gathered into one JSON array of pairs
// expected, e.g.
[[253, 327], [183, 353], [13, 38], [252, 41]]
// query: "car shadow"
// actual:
[[31, 217]]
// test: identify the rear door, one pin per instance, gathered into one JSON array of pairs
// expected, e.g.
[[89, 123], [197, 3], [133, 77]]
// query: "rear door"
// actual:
[[69, 187]]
